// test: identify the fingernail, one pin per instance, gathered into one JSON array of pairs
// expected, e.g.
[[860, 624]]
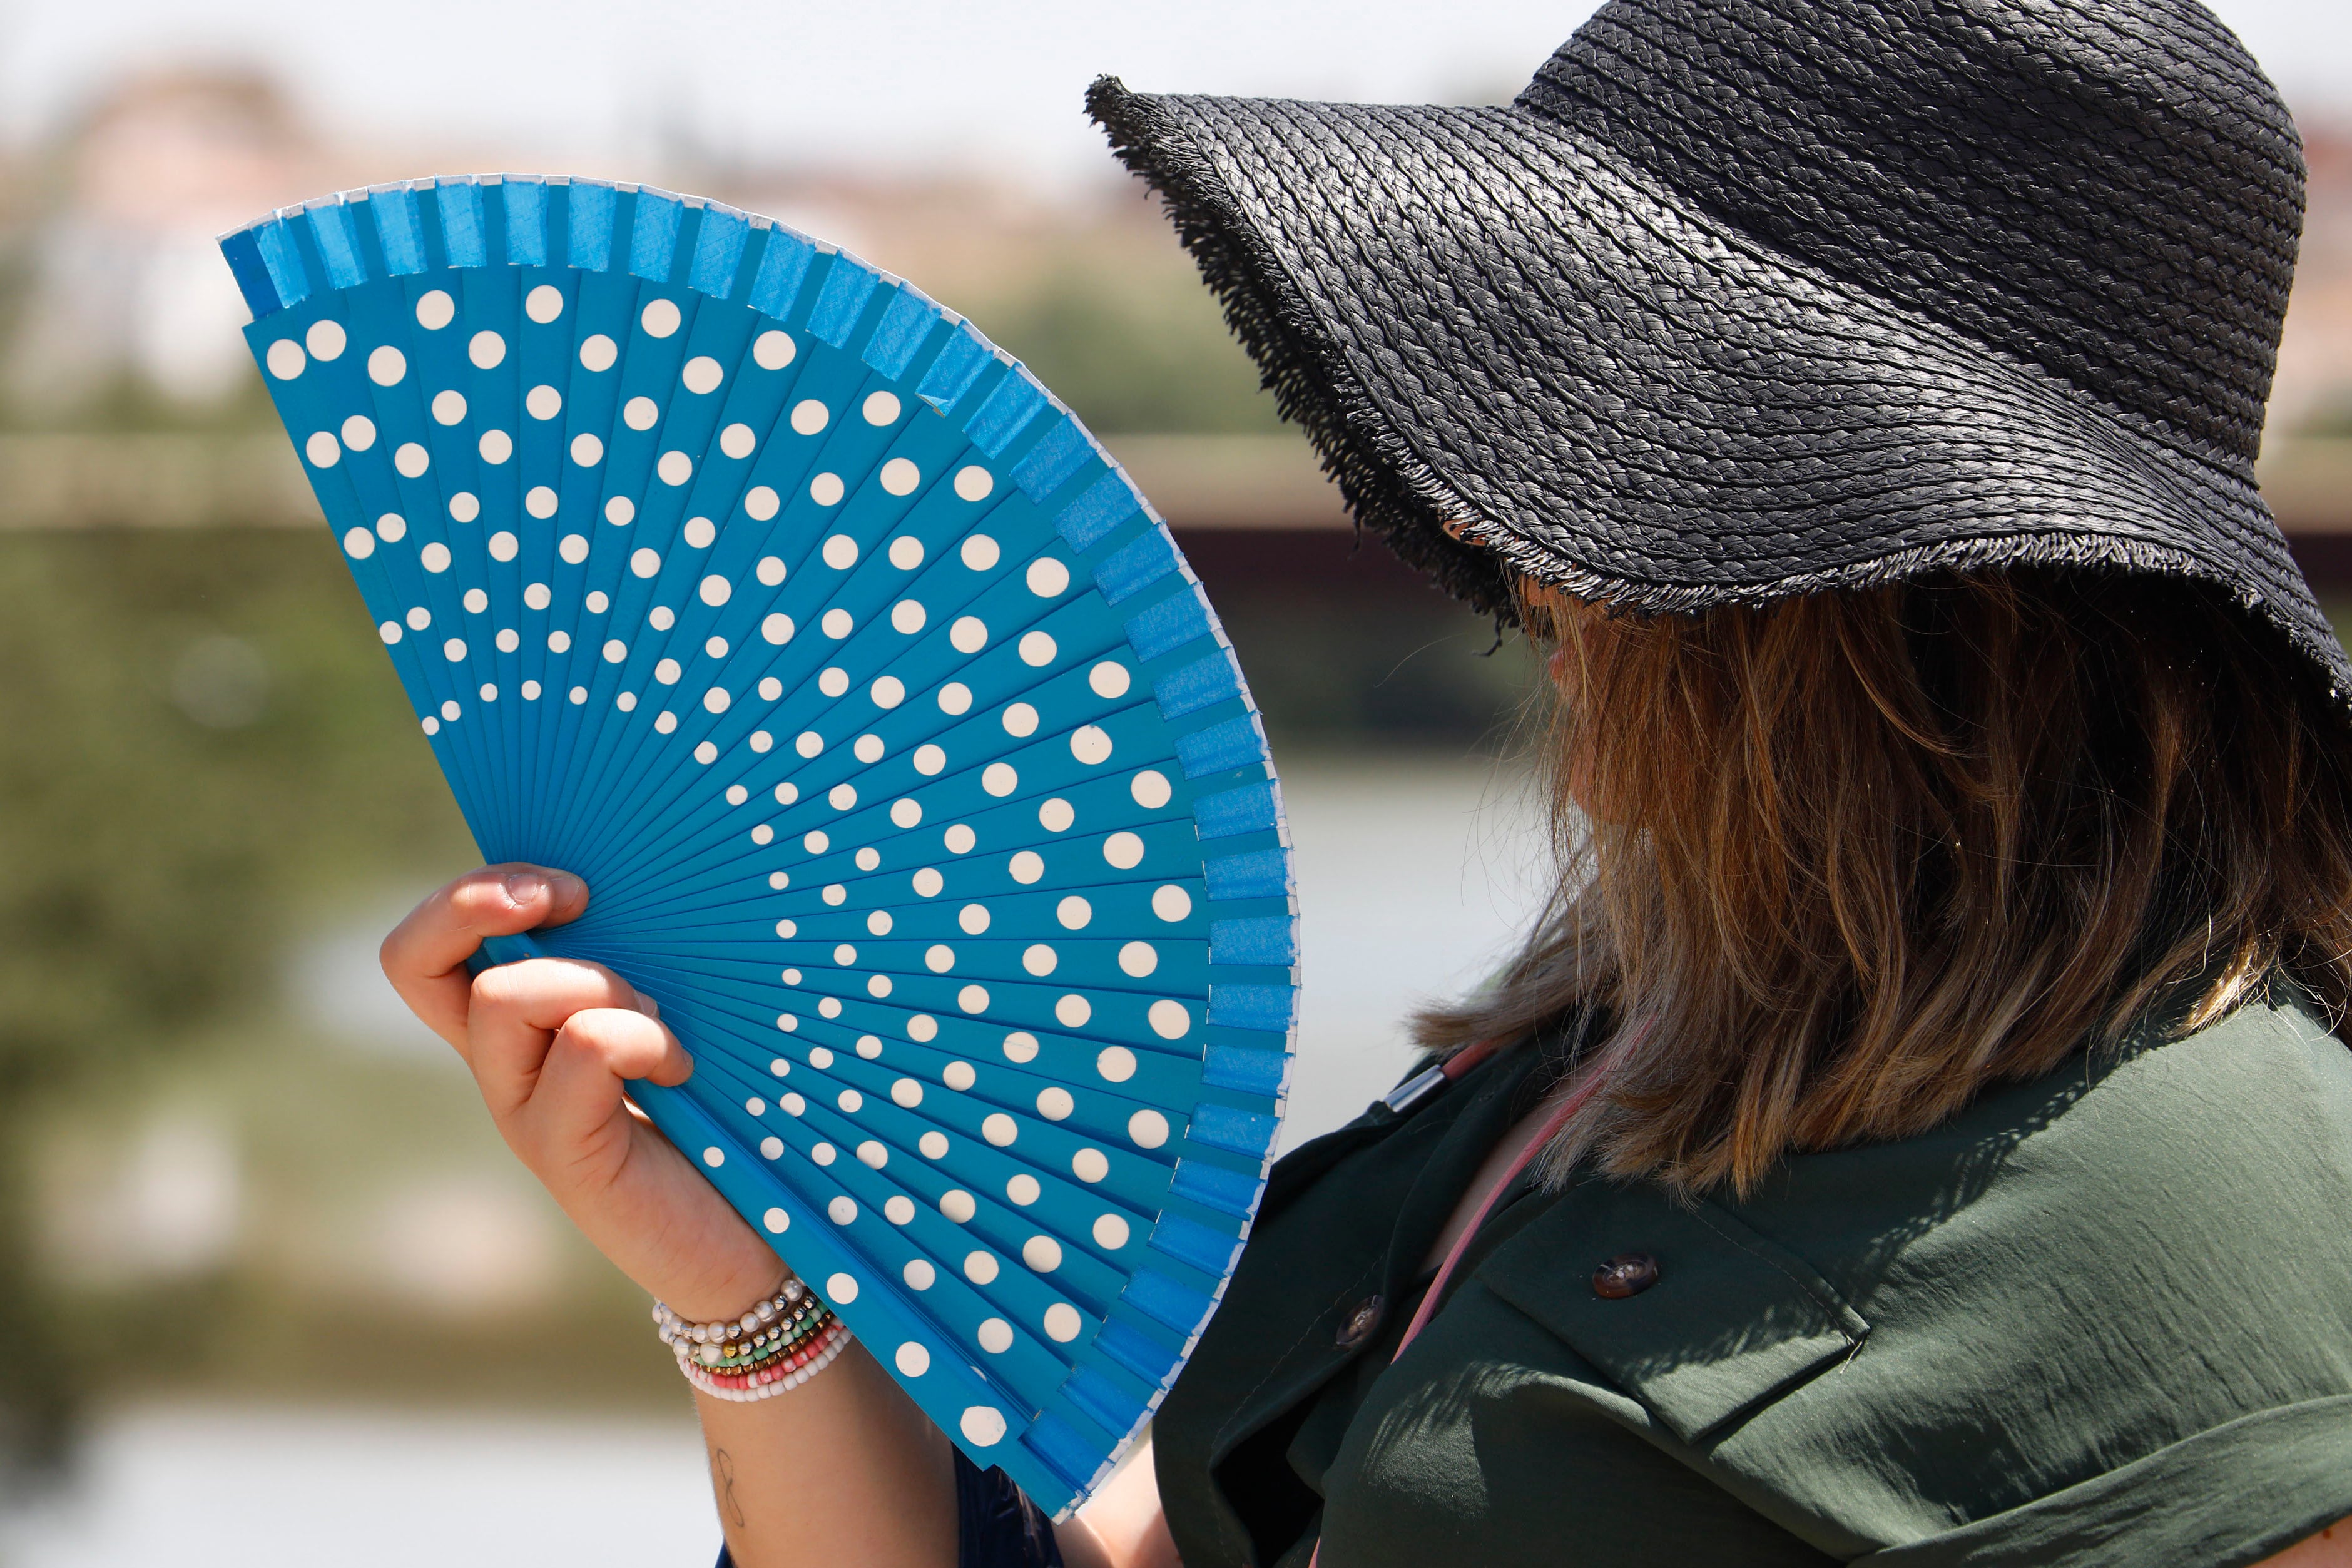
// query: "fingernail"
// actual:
[[564, 885], [522, 887]]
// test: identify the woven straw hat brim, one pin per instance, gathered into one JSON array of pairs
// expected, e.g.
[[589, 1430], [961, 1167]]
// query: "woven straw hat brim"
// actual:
[[1480, 317]]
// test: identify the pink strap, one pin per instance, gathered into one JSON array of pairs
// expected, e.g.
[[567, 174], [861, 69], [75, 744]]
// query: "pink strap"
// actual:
[[1470, 1056], [1535, 1146]]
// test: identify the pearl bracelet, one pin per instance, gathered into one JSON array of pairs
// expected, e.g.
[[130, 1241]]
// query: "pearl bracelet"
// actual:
[[781, 1343], [789, 1295]]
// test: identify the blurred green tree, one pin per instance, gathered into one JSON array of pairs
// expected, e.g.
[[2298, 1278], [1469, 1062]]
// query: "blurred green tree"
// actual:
[[200, 743], [1134, 348]]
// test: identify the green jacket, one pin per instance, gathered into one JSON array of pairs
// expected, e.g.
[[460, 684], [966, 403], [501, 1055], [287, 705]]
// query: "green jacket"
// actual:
[[2103, 1318]]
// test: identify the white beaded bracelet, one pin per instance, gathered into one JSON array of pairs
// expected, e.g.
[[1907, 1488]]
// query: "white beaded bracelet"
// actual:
[[787, 1296]]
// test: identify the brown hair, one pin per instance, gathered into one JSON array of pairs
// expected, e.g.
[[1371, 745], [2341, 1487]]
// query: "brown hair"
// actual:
[[1850, 858]]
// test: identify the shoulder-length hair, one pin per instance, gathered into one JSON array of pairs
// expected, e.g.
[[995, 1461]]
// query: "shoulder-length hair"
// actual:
[[1838, 864]]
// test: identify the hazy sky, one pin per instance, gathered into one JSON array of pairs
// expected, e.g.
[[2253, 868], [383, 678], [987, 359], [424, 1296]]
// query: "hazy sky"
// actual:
[[888, 81]]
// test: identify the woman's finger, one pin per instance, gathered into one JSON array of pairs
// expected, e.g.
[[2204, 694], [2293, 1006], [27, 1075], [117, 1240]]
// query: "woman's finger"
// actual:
[[513, 1013], [425, 957], [587, 1069]]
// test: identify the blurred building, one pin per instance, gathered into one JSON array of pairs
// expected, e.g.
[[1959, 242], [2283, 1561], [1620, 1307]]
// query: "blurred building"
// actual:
[[123, 286]]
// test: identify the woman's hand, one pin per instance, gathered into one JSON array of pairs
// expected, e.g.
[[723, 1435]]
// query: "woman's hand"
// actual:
[[842, 1469], [553, 1044]]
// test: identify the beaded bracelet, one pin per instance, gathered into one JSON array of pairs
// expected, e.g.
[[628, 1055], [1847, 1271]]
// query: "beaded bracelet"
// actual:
[[788, 1295], [779, 1345], [792, 1301], [761, 1347], [777, 1377]]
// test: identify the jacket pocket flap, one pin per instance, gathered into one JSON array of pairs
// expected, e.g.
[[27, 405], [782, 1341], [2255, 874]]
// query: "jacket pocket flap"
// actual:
[[1733, 1319]]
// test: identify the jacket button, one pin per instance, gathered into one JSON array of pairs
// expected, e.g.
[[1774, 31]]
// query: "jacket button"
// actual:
[[1627, 1274], [1360, 1323]]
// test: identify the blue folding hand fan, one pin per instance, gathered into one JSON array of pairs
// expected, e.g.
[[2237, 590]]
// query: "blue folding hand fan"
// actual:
[[904, 761]]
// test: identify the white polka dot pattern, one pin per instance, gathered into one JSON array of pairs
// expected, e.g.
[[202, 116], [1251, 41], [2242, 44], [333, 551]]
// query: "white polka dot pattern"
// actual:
[[909, 770]]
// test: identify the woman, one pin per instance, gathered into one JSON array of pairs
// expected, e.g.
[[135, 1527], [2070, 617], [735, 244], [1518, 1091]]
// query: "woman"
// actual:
[[1914, 1135]]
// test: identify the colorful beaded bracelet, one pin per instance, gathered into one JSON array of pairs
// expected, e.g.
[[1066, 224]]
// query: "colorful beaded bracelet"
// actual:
[[765, 1345], [777, 1378], [744, 1374], [780, 1343], [711, 1351]]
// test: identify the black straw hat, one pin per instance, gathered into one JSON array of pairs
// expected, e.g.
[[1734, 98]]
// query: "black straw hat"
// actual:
[[1743, 298]]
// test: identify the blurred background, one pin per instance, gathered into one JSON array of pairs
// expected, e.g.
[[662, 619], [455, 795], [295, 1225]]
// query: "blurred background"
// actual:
[[270, 1289]]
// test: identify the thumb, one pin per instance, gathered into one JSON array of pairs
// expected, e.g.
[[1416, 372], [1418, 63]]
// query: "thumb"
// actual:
[[519, 895]]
